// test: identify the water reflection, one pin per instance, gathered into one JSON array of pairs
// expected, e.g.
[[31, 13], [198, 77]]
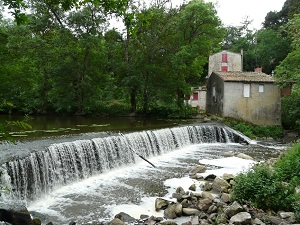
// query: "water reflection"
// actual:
[[45, 126]]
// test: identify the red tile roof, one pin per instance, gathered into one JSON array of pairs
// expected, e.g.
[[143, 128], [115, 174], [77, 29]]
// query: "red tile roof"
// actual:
[[246, 76]]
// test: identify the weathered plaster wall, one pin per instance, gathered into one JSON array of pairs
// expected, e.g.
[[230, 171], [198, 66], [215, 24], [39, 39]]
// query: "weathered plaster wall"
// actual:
[[260, 108], [234, 62]]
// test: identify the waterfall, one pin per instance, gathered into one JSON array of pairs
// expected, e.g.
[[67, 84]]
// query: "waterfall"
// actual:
[[64, 163]]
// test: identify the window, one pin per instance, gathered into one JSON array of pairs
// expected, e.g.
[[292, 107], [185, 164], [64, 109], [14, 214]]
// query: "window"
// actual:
[[195, 96], [214, 91], [246, 90], [224, 57], [224, 68], [261, 88]]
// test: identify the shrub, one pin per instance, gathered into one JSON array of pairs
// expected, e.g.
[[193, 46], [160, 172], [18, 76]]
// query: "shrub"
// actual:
[[260, 188], [288, 166], [272, 188]]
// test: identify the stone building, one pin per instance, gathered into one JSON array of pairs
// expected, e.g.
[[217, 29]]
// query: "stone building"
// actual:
[[248, 96]]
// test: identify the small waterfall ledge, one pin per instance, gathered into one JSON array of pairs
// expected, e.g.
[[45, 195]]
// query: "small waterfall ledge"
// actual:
[[64, 163]]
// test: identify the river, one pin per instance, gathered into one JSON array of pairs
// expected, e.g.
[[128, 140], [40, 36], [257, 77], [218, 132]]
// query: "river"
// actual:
[[90, 177]]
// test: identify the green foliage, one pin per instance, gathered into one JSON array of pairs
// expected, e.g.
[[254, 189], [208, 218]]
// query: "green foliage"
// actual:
[[174, 111], [291, 110], [288, 167], [260, 187], [272, 188], [253, 131]]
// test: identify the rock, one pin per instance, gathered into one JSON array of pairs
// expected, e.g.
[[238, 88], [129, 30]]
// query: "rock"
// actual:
[[187, 223], [221, 218], [228, 177], [208, 195], [204, 204], [15, 213], [173, 211], [194, 220], [192, 187], [242, 218], [198, 169], [233, 209], [289, 216], [229, 154], [185, 203], [226, 197], [116, 221], [257, 221], [190, 211], [244, 156], [125, 217], [210, 177], [36, 221], [207, 186], [168, 223], [161, 203], [180, 190], [220, 185], [212, 209]]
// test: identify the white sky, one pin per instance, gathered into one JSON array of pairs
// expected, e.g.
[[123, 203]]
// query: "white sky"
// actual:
[[233, 12]]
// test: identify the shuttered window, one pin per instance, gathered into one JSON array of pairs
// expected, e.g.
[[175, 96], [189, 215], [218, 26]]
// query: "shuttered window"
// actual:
[[246, 90]]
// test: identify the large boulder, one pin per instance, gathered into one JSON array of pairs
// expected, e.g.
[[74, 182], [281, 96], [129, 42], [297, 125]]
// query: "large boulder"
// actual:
[[15, 214], [242, 218], [161, 203], [173, 211], [233, 209], [220, 184]]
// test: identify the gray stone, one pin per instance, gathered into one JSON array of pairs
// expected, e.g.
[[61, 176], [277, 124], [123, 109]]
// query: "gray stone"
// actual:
[[173, 211], [210, 177], [190, 211], [208, 195], [192, 187], [220, 184], [15, 213], [185, 203], [198, 169], [257, 221], [204, 204], [212, 209], [221, 218], [207, 186], [168, 223], [228, 177], [225, 197], [229, 154], [195, 220], [233, 209], [242, 218], [180, 190], [161, 203], [125, 217], [116, 221], [244, 156]]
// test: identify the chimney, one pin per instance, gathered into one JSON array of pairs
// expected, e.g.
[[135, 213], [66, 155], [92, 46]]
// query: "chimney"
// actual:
[[258, 69]]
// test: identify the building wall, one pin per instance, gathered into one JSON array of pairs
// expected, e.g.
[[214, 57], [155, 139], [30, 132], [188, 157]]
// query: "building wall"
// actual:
[[234, 62], [214, 95], [261, 108]]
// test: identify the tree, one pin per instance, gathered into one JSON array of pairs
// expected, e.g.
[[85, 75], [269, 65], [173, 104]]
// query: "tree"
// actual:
[[198, 32]]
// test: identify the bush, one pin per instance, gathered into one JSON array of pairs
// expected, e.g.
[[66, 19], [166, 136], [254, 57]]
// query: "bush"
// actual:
[[288, 166], [253, 131], [272, 188], [261, 189]]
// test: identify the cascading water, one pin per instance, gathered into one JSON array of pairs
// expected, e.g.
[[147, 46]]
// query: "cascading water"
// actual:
[[64, 163]]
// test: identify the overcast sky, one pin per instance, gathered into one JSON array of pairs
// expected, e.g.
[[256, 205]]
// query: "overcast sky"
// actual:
[[233, 12]]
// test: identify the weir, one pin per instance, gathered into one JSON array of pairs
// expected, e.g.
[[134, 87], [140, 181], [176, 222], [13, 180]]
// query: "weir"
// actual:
[[64, 163]]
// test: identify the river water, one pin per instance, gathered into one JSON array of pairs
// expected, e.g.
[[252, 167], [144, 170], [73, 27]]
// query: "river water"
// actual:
[[93, 176]]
